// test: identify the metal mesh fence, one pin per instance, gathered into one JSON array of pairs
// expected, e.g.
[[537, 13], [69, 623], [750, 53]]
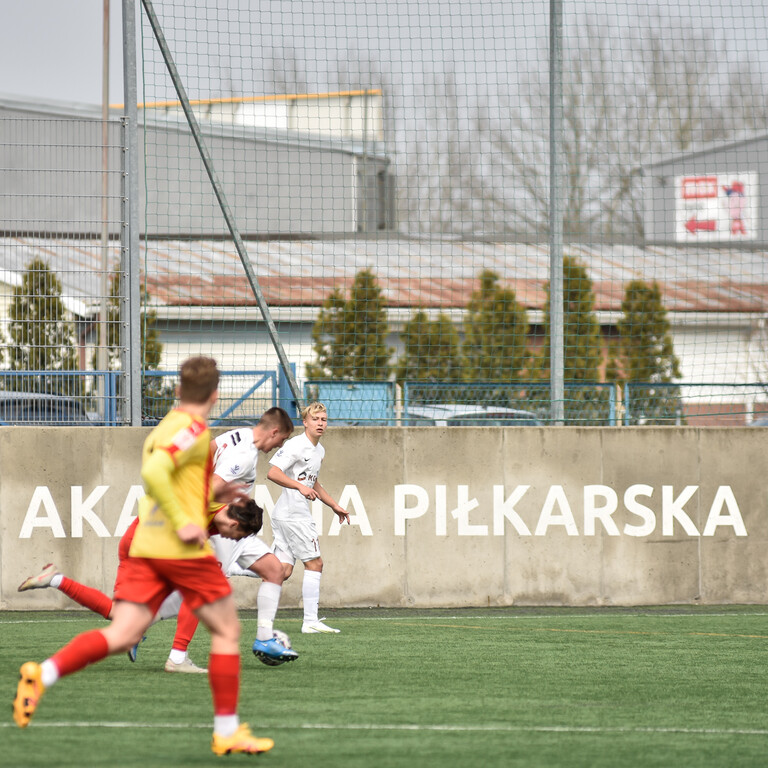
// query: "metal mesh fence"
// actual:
[[383, 176], [62, 193]]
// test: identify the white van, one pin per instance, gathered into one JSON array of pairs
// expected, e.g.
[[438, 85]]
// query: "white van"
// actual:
[[454, 415]]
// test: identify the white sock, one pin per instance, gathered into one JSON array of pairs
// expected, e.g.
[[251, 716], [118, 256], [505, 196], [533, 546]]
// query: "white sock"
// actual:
[[49, 673], [177, 656], [267, 601], [310, 592], [56, 580], [225, 725]]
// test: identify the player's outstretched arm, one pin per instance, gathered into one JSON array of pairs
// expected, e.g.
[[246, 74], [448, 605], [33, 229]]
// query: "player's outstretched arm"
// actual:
[[328, 500]]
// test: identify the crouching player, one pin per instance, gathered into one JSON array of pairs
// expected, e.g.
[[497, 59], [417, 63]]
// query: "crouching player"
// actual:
[[169, 551]]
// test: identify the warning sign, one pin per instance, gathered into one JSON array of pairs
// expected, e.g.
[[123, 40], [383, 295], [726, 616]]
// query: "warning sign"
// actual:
[[716, 207]]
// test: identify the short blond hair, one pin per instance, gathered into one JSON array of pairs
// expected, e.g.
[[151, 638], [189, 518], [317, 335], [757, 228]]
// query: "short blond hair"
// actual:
[[311, 409]]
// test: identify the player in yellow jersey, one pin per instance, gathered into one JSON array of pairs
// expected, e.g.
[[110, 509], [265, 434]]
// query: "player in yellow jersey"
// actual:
[[169, 551]]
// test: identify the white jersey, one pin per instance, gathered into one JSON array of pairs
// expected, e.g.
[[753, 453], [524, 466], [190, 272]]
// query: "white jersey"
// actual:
[[237, 556], [301, 461], [236, 457]]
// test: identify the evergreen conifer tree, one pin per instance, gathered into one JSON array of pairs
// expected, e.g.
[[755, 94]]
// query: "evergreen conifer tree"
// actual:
[[647, 355], [495, 340], [349, 336], [41, 337]]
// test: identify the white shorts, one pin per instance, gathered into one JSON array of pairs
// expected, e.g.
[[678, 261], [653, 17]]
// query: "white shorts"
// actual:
[[236, 557], [295, 540], [169, 607]]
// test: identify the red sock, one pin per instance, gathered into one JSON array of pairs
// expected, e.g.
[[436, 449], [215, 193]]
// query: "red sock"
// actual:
[[89, 597], [186, 624], [81, 651], [224, 678]]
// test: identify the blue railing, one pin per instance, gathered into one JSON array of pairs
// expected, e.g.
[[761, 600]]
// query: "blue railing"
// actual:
[[93, 398], [243, 396], [695, 404]]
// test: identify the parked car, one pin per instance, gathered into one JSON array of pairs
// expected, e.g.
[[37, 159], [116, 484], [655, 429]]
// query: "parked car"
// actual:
[[454, 415], [30, 408]]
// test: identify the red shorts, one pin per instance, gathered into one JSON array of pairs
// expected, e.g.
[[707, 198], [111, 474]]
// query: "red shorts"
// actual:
[[149, 580], [125, 541]]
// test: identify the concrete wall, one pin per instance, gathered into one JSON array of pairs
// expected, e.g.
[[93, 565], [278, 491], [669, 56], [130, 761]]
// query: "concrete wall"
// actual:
[[441, 517]]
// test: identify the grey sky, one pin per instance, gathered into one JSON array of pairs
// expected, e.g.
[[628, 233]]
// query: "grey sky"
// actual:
[[53, 50]]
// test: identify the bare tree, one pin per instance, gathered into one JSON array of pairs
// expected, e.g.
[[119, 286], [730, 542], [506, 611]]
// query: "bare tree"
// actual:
[[627, 99], [472, 157]]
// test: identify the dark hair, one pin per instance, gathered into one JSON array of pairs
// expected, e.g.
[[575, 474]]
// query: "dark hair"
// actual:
[[199, 379], [248, 514], [277, 417]]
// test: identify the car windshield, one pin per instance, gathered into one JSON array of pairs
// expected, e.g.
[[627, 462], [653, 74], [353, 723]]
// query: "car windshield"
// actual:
[[53, 411], [491, 420]]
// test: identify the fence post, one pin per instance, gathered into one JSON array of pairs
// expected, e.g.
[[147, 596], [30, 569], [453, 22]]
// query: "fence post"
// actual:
[[556, 333], [130, 285]]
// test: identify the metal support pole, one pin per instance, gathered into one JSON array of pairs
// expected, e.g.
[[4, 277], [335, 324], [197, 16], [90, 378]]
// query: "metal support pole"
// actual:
[[103, 356], [556, 333], [223, 204], [130, 283]]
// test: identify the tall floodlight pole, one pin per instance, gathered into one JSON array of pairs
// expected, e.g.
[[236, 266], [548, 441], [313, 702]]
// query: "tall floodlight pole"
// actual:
[[130, 304], [556, 334]]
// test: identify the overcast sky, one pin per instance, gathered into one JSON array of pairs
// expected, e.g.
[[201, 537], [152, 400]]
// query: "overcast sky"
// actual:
[[52, 49]]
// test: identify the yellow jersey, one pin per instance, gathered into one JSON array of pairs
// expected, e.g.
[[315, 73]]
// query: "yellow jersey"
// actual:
[[176, 468]]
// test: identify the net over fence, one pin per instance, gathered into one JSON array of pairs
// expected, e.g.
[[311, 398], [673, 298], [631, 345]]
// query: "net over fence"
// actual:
[[486, 208]]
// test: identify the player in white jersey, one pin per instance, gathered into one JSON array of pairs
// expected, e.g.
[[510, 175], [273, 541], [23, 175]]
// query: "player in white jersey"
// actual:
[[295, 467]]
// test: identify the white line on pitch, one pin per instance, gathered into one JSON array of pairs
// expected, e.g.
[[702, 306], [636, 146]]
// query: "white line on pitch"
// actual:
[[501, 728], [560, 617]]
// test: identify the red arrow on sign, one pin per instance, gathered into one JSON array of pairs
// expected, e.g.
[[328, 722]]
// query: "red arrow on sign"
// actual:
[[693, 225]]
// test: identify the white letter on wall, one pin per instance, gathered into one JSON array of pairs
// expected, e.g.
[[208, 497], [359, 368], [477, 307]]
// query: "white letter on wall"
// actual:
[[441, 510], [672, 509], [636, 508], [724, 496], [350, 496], [402, 512], [127, 515], [263, 498], [42, 497], [505, 508], [82, 509], [461, 513], [593, 512], [556, 495]]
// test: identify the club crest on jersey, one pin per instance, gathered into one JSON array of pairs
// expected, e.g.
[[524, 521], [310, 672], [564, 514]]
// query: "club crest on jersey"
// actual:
[[185, 438]]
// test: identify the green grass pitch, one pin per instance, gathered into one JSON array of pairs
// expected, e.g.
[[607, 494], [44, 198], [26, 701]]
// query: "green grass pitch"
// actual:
[[667, 686]]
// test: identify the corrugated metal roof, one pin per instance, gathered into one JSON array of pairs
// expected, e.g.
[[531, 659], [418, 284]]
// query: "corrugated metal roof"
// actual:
[[429, 273]]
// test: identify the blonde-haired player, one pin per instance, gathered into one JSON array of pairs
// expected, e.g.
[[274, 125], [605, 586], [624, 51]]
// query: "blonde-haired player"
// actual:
[[295, 467]]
